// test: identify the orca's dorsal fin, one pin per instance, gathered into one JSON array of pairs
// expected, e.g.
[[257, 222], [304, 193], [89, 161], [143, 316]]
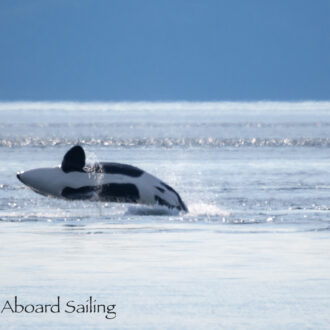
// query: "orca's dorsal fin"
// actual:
[[74, 159]]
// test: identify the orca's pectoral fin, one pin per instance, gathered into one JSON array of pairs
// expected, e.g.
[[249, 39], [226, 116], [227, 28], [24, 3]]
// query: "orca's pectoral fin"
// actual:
[[74, 159], [82, 193]]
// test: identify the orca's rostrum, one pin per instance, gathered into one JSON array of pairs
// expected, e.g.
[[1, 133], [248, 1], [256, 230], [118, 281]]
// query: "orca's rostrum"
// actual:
[[108, 182]]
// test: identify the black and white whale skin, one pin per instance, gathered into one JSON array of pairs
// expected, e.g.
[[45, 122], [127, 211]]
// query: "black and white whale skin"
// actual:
[[108, 182]]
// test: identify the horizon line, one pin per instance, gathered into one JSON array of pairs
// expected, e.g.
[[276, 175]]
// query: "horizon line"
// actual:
[[165, 105]]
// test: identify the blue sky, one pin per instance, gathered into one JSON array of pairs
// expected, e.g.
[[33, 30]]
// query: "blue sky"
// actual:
[[203, 50]]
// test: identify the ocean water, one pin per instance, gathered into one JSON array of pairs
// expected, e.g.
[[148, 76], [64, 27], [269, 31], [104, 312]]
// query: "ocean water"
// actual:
[[252, 253]]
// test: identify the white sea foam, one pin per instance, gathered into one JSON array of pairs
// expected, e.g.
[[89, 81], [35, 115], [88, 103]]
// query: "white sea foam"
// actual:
[[207, 209]]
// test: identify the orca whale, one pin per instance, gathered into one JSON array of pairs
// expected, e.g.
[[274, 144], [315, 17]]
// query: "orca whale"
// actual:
[[108, 182]]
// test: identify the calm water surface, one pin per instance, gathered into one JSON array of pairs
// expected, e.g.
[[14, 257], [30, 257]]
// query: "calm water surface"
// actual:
[[253, 252]]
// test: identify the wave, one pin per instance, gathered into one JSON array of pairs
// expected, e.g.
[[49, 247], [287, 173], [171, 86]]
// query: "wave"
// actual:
[[166, 142], [156, 210], [80, 211]]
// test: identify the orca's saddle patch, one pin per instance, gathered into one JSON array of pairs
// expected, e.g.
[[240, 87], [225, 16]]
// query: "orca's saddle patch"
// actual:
[[74, 160]]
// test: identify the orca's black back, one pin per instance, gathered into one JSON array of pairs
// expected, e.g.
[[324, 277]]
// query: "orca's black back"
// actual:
[[116, 168]]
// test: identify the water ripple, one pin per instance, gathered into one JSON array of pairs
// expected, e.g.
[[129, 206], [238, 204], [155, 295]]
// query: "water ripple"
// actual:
[[166, 142]]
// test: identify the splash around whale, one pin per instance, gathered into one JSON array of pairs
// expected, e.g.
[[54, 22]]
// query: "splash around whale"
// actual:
[[108, 182]]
